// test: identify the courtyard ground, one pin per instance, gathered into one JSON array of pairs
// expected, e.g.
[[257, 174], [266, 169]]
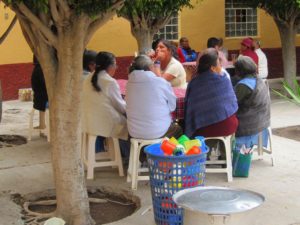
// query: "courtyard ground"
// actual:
[[27, 169]]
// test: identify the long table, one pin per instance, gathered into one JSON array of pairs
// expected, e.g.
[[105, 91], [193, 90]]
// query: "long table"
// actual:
[[178, 114]]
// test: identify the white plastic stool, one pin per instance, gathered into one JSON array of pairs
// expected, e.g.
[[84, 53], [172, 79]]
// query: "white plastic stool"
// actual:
[[91, 159], [261, 149], [228, 162], [134, 165], [45, 131]]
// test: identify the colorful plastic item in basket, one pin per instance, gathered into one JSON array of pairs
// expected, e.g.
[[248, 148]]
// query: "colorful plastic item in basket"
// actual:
[[168, 175]]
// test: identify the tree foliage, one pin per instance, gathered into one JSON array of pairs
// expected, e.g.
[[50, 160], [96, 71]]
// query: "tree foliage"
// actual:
[[151, 13], [146, 17], [284, 11]]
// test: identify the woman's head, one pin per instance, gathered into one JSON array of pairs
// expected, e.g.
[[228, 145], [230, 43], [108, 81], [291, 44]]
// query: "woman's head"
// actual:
[[141, 62], [164, 50], [245, 66], [104, 61], [89, 60], [209, 61], [247, 43]]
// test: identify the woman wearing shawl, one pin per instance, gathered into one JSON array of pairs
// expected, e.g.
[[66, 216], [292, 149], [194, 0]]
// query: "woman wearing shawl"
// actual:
[[210, 102]]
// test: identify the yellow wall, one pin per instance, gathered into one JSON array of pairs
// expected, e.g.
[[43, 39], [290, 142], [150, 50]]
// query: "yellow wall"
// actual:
[[14, 49], [114, 36], [205, 20]]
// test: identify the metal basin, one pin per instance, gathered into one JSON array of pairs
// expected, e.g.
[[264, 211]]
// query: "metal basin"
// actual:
[[216, 205]]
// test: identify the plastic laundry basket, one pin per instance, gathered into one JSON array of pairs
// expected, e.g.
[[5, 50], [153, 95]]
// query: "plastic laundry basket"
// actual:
[[168, 175]]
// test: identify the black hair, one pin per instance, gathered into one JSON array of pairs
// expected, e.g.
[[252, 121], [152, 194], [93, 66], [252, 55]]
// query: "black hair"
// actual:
[[182, 39], [103, 61], [208, 58], [155, 43], [213, 42], [171, 47], [89, 57]]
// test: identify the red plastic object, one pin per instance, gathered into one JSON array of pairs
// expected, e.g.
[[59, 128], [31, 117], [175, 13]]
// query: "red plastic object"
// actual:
[[167, 147], [194, 151]]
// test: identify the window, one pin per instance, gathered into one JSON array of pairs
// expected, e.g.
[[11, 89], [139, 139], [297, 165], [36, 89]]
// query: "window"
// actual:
[[170, 31], [240, 20]]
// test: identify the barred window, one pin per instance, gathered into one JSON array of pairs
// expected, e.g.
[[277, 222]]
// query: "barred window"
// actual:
[[240, 20], [169, 31]]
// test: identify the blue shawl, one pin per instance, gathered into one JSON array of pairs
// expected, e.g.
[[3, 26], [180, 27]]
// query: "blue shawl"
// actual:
[[209, 99]]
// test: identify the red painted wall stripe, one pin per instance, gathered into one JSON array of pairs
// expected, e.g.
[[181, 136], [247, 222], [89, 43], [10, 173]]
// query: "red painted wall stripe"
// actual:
[[17, 76]]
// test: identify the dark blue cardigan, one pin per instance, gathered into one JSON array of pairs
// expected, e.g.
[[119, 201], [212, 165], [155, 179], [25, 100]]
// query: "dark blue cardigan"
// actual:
[[209, 99]]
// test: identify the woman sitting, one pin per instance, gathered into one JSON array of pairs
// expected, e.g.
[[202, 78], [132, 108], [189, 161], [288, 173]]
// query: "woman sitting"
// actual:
[[171, 69], [210, 102], [254, 103], [103, 109]]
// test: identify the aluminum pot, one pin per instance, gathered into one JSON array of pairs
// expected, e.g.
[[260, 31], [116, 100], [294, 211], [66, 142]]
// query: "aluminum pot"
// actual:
[[217, 205]]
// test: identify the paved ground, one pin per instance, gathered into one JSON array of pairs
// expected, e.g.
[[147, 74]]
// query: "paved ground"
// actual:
[[27, 168]]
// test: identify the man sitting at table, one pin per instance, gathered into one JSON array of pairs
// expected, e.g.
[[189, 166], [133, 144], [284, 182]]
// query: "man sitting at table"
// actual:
[[189, 54], [214, 42], [150, 100]]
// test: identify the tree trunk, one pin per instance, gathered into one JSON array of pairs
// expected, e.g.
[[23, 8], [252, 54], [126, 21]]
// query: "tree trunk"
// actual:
[[287, 36], [71, 193], [0, 101], [144, 38]]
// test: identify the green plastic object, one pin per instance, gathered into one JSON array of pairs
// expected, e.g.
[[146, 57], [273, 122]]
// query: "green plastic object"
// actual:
[[183, 138], [241, 164]]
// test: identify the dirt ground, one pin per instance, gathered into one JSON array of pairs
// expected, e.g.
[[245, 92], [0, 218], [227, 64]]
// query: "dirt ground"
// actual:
[[292, 132], [112, 206], [27, 169]]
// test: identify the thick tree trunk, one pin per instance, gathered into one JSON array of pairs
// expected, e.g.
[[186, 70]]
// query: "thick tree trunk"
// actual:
[[287, 36], [144, 38], [71, 193]]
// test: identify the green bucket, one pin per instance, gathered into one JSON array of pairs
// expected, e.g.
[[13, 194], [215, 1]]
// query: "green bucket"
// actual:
[[241, 164]]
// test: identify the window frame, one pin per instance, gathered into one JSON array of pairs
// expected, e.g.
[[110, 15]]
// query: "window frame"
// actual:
[[168, 25], [257, 22]]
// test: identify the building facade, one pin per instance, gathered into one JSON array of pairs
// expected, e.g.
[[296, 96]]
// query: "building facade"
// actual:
[[209, 18]]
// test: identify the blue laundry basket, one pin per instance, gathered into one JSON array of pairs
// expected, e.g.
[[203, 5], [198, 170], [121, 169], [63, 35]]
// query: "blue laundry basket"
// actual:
[[168, 175]]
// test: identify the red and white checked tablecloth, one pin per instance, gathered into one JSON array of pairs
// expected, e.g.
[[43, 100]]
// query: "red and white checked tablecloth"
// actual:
[[179, 92]]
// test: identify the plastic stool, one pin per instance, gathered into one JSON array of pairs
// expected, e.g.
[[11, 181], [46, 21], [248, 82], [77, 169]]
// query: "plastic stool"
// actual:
[[228, 162], [112, 157], [261, 149], [45, 131], [134, 165]]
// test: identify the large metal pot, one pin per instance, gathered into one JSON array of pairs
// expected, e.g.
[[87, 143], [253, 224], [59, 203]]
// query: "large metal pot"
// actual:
[[216, 205]]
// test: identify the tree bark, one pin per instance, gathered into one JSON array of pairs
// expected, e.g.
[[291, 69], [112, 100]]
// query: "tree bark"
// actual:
[[71, 193], [287, 36], [144, 38]]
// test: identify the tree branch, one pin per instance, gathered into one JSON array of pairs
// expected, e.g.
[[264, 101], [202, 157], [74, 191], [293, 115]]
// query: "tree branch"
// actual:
[[54, 11], [37, 22], [27, 32], [65, 7], [10, 27], [102, 19]]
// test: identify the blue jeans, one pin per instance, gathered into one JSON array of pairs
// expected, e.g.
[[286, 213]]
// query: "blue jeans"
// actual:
[[124, 146]]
